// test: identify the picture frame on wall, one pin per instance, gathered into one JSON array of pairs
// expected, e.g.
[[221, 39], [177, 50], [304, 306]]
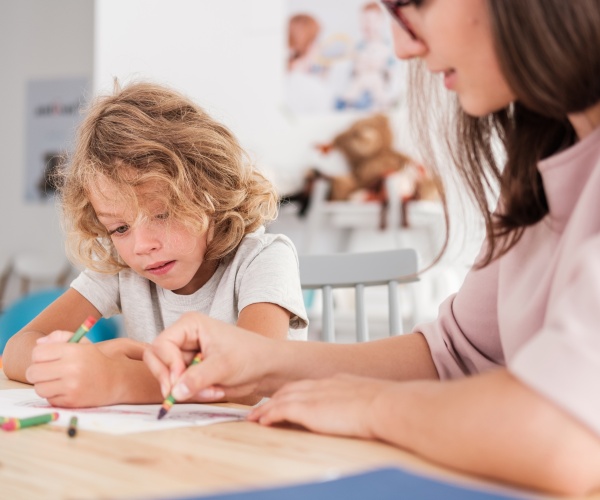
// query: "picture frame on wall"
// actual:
[[340, 59], [53, 112]]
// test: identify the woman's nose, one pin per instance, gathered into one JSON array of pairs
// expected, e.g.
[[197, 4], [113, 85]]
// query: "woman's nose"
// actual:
[[405, 45]]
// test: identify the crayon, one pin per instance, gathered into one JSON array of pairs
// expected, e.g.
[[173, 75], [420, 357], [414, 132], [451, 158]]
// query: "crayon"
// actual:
[[72, 429], [14, 424], [83, 329], [170, 400]]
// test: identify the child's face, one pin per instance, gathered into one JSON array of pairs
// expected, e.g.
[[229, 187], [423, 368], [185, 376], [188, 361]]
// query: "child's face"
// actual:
[[156, 247]]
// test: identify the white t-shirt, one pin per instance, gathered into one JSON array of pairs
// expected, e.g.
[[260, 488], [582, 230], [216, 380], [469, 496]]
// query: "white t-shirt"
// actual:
[[263, 269]]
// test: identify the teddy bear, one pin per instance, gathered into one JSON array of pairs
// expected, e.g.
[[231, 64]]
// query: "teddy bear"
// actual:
[[367, 146]]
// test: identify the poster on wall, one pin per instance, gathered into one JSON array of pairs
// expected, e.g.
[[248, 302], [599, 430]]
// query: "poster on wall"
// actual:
[[340, 58], [53, 110]]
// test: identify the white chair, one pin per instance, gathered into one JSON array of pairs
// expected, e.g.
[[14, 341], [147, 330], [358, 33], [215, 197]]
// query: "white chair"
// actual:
[[41, 269], [359, 270]]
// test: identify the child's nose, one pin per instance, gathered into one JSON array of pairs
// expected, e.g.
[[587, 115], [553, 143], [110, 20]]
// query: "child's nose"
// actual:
[[146, 240]]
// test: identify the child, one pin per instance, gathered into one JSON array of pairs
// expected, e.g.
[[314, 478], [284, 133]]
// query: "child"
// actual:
[[167, 216], [303, 32], [373, 60], [505, 383]]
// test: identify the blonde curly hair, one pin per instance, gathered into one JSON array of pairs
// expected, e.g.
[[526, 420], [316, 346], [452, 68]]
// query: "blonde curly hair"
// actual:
[[146, 133]]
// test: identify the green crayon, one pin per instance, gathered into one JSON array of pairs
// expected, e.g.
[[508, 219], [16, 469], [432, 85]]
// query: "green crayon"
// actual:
[[14, 424], [72, 429], [170, 400], [83, 329]]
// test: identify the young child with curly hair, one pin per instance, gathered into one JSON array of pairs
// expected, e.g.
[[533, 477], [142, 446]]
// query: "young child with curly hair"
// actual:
[[164, 210]]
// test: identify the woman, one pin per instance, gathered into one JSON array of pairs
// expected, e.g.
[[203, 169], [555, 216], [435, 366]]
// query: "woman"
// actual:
[[503, 383]]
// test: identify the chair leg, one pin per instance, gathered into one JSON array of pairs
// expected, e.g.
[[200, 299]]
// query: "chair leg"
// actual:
[[3, 283], [362, 327], [394, 309], [61, 280], [25, 283], [328, 323]]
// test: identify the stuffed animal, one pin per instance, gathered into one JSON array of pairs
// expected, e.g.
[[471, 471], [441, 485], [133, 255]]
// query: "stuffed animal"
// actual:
[[367, 146]]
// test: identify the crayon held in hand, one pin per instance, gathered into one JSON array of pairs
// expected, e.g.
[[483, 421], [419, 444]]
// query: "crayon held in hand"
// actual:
[[14, 424], [83, 329], [170, 400], [72, 429]]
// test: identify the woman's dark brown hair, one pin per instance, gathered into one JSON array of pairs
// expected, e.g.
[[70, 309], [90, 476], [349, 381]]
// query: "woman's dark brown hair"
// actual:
[[549, 53]]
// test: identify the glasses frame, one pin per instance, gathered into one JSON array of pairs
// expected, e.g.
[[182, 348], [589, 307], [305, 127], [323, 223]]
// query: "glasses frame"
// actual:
[[393, 7]]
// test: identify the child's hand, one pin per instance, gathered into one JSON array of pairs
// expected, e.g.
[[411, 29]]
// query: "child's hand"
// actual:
[[59, 336], [123, 348], [233, 360], [71, 375], [341, 405]]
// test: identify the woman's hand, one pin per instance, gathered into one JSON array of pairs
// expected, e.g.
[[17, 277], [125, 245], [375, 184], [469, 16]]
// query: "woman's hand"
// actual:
[[72, 375], [341, 405], [234, 361]]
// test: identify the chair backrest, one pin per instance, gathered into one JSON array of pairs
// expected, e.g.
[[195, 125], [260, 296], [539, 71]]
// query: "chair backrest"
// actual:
[[24, 309], [359, 270]]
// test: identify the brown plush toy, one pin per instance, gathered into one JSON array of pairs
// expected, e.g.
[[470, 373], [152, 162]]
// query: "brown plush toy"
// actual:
[[368, 149]]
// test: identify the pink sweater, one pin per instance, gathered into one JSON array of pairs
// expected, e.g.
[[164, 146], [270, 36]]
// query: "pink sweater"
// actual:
[[536, 310]]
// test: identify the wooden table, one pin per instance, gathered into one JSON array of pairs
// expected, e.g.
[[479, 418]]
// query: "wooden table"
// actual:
[[43, 462]]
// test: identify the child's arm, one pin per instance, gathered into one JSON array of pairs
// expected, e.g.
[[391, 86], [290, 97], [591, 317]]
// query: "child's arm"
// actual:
[[67, 312], [66, 373]]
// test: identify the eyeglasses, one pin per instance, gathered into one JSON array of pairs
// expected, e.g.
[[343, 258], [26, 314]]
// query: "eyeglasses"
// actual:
[[394, 6]]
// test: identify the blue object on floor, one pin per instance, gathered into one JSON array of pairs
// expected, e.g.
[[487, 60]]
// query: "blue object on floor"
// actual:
[[387, 483], [23, 310]]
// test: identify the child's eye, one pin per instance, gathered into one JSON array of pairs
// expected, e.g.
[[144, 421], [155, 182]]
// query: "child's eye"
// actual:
[[162, 216], [119, 231]]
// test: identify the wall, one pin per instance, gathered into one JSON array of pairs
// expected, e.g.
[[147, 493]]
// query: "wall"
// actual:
[[230, 57], [38, 40], [227, 55]]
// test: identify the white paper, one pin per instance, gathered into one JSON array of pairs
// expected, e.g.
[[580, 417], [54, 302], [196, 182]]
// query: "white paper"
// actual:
[[117, 419]]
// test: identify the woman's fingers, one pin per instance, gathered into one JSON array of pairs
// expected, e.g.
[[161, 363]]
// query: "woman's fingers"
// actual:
[[230, 363], [159, 370], [339, 405], [212, 371]]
